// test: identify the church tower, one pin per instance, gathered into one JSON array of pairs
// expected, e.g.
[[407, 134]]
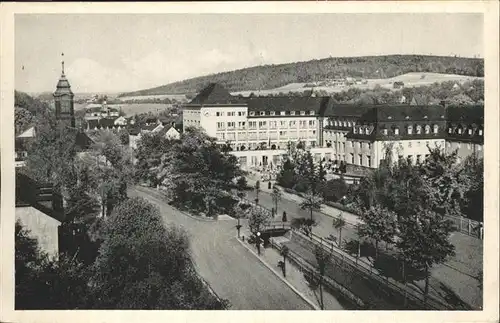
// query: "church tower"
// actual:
[[63, 99]]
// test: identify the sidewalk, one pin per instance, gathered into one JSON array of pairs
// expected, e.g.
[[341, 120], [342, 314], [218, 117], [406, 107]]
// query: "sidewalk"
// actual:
[[294, 276], [325, 209]]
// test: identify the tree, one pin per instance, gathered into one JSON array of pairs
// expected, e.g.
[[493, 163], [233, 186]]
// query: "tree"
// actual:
[[43, 282], [124, 137], [257, 191], [379, 224], [339, 223], [258, 219], [311, 202], [22, 119], [322, 259], [143, 265], [195, 172], [276, 196]]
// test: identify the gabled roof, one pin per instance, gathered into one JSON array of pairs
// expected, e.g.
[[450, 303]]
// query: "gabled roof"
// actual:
[[214, 93], [344, 110]]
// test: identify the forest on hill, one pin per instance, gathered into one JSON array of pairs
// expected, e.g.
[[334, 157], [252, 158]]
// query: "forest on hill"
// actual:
[[368, 67]]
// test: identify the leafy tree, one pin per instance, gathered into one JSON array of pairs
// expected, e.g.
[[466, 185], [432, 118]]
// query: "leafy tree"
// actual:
[[45, 283], [257, 191], [322, 260], [143, 265], [311, 202], [303, 224], [378, 224], [258, 219], [276, 196], [22, 119], [286, 176], [339, 223], [195, 172], [124, 137], [333, 190], [150, 149]]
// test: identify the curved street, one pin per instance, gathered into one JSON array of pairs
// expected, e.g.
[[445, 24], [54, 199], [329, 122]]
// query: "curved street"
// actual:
[[230, 269]]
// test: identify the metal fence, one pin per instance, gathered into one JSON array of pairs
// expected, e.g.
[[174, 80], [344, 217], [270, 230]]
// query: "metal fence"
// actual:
[[367, 270], [467, 226]]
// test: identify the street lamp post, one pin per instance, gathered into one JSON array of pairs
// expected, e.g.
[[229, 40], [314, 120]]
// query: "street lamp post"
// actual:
[[257, 241]]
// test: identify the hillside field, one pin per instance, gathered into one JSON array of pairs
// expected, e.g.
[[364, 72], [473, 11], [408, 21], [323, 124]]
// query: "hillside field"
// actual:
[[132, 108]]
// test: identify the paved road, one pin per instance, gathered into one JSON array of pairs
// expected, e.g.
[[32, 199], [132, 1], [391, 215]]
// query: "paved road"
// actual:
[[231, 270], [324, 225]]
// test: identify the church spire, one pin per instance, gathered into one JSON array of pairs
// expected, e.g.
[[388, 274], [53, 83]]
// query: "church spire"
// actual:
[[62, 63]]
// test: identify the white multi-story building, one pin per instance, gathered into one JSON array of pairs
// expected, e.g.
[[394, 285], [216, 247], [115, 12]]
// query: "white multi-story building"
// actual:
[[257, 129]]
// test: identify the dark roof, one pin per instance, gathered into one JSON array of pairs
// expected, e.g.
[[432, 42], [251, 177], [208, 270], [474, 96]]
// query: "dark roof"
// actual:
[[134, 131], [93, 109], [287, 103], [102, 123], [465, 114], [215, 93], [63, 87], [392, 113], [344, 110], [150, 127]]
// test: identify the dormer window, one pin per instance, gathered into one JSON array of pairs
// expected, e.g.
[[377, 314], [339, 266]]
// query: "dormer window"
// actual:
[[470, 131], [292, 113], [262, 113], [407, 117], [435, 128], [335, 123], [459, 131], [450, 130], [396, 131], [302, 113], [282, 113], [348, 123], [425, 117], [272, 113], [480, 132], [409, 130], [384, 131], [367, 131], [311, 112], [345, 124], [355, 130], [427, 129], [419, 130], [252, 113]]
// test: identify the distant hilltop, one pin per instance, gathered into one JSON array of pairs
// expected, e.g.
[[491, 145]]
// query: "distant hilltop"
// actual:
[[366, 67]]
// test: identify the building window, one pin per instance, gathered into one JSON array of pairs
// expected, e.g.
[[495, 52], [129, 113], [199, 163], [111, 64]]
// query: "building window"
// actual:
[[480, 132], [384, 131], [418, 129], [218, 114], [367, 131], [312, 123], [479, 147], [252, 124], [396, 131], [262, 124], [355, 130], [343, 146], [360, 160], [435, 128], [291, 124], [241, 124], [241, 113], [282, 113], [262, 113], [470, 131], [345, 124], [283, 124], [292, 113], [409, 130], [302, 113], [348, 123], [427, 129], [459, 131], [230, 124], [311, 113], [220, 125], [469, 146], [252, 113], [369, 146], [282, 133], [368, 161], [231, 136], [352, 158], [231, 114], [361, 145], [272, 113], [352, 144], [335, 123]]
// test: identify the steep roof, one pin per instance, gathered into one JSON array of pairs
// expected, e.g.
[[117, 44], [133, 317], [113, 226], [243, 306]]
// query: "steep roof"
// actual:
[[393, 113], [63, 87], [465, 114], [215, 93], [344, 110]]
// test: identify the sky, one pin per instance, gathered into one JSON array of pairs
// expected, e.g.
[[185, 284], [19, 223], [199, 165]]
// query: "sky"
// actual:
[[126, 52]]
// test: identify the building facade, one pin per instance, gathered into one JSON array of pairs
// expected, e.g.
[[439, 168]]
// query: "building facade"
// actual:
[[259, 129], [465, 131]]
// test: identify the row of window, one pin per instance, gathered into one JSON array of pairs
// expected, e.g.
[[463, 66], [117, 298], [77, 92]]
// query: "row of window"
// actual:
[[470, 131], [230, 113], [264, 124], [409, 130], [263, 135], [281, 113]]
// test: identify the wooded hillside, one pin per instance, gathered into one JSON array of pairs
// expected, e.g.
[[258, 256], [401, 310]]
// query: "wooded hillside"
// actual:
[[273, 76]]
